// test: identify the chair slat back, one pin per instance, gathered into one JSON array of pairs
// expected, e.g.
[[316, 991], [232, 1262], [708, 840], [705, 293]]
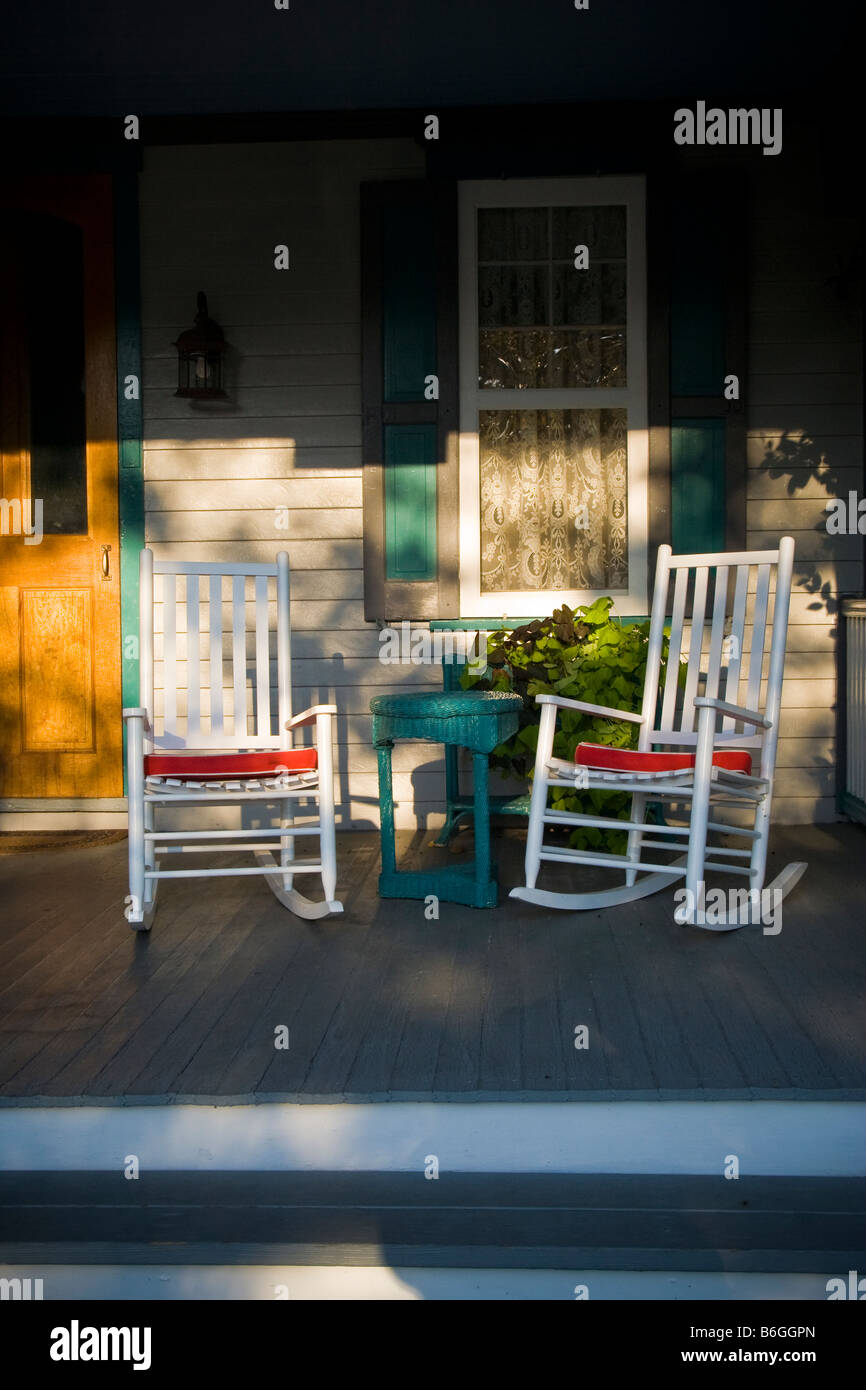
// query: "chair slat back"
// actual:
[[169, 649], [191, 660], [239, 650], [713, 596], [695, 665], [215, 615], [717, 631], [736, 643], [263, 672], [676, 640], [759, 628]]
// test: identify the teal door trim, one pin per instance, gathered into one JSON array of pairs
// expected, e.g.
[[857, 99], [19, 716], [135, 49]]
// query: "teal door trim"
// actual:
[[129, 424]]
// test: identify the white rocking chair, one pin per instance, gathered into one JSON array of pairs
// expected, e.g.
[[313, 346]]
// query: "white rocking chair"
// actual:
[[202, 756], [706, 767]]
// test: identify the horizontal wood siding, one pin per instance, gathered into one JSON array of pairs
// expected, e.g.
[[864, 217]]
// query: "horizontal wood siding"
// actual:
[[804, 413], [278, 466]]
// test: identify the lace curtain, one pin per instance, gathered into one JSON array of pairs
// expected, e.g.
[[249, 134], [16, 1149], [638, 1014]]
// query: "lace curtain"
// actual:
[[553, 483], [553, 500]]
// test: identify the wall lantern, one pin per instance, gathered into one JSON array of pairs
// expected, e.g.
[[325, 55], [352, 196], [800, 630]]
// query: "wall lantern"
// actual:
[[200, 352]]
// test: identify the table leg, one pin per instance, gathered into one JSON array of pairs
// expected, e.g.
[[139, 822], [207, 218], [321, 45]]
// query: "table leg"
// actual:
[[452, 790], [480, 775], [386, 804]]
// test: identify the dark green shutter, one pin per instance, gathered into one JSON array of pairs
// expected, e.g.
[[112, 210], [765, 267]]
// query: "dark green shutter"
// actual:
[[408, 299], [707, 343], [698, 508], [409, 304], [697, 300], [410, 502]]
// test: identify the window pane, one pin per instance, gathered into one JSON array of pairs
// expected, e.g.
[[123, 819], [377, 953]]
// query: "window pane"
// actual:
[[54, 275], [574, 320], [592, 296], [538, 358], [510, 358], [513, 234], [553, 499], [512, 295], [582, 358], [601, 229]]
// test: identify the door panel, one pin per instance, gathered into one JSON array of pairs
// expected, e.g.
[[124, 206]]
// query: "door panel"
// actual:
[[60, 695], [57, 637]]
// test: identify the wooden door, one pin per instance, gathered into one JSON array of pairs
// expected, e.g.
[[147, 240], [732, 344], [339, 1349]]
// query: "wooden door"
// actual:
[[60, 694]]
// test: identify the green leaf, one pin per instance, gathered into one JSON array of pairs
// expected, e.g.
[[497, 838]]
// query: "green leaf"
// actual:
[[585, 655], [539, 688]]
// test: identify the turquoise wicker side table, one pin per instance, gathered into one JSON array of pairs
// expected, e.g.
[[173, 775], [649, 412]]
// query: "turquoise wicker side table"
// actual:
[[473, 719]]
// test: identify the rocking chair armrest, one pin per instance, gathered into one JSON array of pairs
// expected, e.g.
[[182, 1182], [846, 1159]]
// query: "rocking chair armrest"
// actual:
[[602, 711], [309, 716], [137, 713], [745, 716]]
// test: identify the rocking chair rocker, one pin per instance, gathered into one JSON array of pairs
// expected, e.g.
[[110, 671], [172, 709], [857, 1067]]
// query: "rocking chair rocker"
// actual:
[[204, 756], [708, 768]]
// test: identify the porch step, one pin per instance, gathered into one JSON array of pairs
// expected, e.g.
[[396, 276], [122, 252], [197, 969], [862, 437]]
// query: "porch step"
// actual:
[[637, 1133], [489, 1221]]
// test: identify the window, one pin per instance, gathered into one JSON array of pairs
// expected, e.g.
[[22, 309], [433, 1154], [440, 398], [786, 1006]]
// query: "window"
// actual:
[[553, 427]]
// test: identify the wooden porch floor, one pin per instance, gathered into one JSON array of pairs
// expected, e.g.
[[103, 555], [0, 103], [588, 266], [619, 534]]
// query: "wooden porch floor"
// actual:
[[383, 1003]]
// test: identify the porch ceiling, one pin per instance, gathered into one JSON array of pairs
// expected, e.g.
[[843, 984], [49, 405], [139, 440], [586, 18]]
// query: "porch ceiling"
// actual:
[[383, 1003], [105, 59]]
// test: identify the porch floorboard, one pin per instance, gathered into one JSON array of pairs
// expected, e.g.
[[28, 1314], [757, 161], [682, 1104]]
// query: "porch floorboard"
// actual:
[[385, 1003]]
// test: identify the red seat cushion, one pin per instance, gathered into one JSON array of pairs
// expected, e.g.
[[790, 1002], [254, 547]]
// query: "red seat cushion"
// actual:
[[629, 760], [219, 765]]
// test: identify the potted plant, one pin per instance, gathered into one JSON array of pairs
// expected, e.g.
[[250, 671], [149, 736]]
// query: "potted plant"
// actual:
[[584, 654]]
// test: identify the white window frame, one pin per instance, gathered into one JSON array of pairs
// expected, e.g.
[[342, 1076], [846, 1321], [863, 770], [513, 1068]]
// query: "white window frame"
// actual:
[[565, 192]]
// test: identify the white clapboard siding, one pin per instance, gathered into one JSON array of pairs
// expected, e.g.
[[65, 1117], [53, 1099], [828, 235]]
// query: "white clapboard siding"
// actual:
[[265, 432], [823, 388], [270, 525], [278, 467], [271, 372], [231, 464], [253, 276], [252, 404], [804, 417], [766, 484], [337, 498], [336, 672], [329, 553], [306, 646], [285, 342], [325, 616], [812, 544], [804, 810], [806, 752], [287, 447], [794, 513], [792, 452], [306, 584], [768, 359], [329, 615], [267, 306], [802, 325]]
